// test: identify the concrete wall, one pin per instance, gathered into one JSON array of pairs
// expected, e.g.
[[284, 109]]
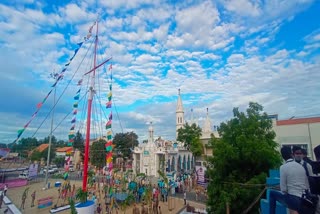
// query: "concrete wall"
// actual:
[[306, 135]]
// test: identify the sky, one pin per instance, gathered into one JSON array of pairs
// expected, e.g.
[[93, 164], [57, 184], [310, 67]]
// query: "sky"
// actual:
[[221, 54]]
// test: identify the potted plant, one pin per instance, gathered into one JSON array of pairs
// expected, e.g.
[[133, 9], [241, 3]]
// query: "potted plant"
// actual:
[[85, 206]]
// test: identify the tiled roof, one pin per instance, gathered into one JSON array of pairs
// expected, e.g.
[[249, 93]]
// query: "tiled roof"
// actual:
[[64, 149], [298, 121], [42, 147]]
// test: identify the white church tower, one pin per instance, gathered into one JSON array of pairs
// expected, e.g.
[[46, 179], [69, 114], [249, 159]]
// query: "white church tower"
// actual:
[[150, 138], [206, 131], [179, 114]]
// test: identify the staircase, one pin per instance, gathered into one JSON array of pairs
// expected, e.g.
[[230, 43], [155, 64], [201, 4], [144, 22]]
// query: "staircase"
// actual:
[[272, 180]]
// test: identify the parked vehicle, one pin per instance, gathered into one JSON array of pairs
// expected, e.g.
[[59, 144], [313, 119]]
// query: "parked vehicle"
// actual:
[[50, 171], [24, 176], [54, 168], [71, 169]]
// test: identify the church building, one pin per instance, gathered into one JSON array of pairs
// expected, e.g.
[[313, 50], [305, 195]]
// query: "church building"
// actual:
[[167, 156]]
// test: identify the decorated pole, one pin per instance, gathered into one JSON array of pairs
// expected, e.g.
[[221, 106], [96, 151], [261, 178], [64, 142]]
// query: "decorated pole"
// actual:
[[90, 98]]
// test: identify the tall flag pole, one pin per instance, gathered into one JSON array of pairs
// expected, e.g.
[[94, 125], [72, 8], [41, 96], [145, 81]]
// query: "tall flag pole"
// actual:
[[109, 144], [90, 98]]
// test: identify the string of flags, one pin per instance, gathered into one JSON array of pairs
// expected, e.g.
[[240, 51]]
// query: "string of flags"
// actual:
[[71, 135], [109, 144], [58, 77], [68, 159]]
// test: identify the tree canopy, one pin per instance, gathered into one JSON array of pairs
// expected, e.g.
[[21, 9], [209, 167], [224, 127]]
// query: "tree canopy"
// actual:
[[124, 142], [98, 153], [78, 143], [244, 154], [190, 136]]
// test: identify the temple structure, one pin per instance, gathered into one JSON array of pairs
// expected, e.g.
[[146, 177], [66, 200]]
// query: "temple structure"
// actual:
[[167, 156]]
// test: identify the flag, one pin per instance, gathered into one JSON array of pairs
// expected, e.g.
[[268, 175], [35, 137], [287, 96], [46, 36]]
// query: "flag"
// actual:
[[77, 97], [67, 64], [75, 112], [110, 116], [109, 104], [108, 126], [39, 105], [54, 84], [78, 91], [80, 82], [110, 87], [110, 67], [73, 120], [75, 105], [72, 127], [110, 96], [109, 133]]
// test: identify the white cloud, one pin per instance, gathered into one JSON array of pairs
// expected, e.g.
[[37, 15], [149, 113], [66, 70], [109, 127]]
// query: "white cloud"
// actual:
[[244, 7], [75, 14], [158, 48]]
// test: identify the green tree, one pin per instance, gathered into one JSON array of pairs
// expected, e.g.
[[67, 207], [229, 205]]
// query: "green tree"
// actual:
[[47, 139], [36, 156], [24, 146], [244, 154], [44, 153], [124, 142], [79, 143], [190, 136], [59, 161], [98, 153]]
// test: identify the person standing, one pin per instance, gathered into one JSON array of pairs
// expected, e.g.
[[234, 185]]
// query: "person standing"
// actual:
[[23, 201], [5, 189], [33, 197], [99, 209], [185, 198], [293, 183]]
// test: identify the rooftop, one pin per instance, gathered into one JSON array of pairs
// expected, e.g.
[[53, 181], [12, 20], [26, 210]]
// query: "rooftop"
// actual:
[[295, 121]]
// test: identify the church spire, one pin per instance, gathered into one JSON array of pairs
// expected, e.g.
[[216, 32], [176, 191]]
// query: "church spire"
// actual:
[[179, 114], [192, 118], [206, 132], [151, 136]]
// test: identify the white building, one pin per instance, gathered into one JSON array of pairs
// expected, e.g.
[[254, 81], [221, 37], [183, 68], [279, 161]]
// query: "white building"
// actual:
[[166, 156], [303, 132]]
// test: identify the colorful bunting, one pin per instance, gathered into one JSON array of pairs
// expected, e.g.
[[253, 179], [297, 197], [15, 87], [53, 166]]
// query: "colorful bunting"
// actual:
[[109, 104], [109, 145], [58, 77]]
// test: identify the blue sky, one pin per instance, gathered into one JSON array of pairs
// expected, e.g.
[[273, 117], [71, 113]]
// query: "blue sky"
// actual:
[[222, 54]]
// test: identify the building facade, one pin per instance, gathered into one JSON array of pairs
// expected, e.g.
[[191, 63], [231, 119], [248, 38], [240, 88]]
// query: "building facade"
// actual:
[[303, 132], [167, 156]]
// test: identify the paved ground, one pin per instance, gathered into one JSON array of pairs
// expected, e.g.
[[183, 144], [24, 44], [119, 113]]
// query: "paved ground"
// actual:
[[15, 194]]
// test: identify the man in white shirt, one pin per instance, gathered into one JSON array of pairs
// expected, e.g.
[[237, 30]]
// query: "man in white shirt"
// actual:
[[293, 183]]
